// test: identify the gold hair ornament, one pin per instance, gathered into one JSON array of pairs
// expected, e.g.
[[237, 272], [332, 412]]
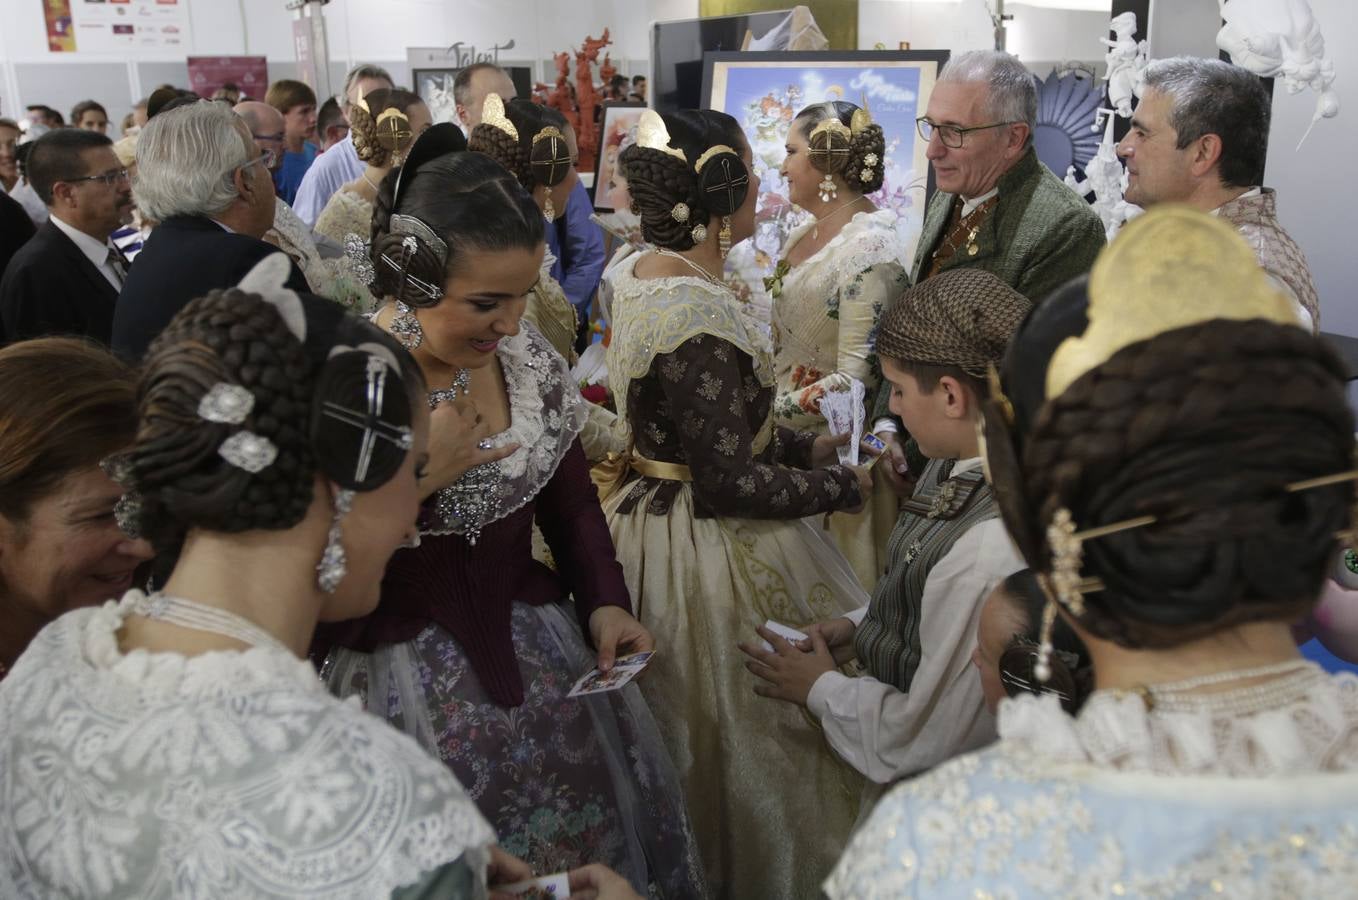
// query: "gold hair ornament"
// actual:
[[493, 114], [861, 119], [653, 135], [393, 129], [1141, 284], [709, 153]]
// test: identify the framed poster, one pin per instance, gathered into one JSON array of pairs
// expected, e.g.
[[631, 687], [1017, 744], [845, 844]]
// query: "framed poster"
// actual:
[[435, 87], [619, 129], [765, 91]]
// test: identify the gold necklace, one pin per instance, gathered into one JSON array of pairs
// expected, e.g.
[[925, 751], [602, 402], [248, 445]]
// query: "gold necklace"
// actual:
[[693, 265], [815, 232]]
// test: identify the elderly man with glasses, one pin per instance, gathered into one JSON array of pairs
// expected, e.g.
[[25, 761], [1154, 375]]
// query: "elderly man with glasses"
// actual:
[[66, 279], [997, 208], [204, 181]]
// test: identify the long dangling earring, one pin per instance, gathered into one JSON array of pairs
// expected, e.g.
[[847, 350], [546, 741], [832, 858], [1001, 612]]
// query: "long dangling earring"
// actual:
[[406, 327], [549, 210], [1042, 669], [330, 570], [828, 189], [724, 236]]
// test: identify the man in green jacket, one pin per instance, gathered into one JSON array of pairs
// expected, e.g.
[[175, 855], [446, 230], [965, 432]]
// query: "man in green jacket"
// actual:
[[997, 207]]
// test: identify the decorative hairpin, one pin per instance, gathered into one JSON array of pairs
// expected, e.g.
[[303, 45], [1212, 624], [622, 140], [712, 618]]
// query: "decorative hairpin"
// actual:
[[393, 129], [369, 419], [127, 510], [415, 231], [228, 404], [249, 451], [861, 118], [493, 114], [653, 135]]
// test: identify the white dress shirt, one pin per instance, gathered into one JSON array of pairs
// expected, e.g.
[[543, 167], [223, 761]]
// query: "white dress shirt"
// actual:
[[95, 250], [887, 734]]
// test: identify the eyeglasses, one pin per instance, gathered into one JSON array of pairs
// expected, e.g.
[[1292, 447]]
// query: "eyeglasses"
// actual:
[[110, 178], [271, 138], [951, 135], [267, 157]]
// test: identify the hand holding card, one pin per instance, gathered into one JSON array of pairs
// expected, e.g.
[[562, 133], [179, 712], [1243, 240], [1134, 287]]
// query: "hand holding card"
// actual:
[[555, 886], [625, 668]]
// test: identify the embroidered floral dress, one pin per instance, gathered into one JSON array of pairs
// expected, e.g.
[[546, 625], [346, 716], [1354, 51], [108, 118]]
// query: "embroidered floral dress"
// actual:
[[229, 774], [475, 645], [825, 314], [709, 530], [1126, 802]]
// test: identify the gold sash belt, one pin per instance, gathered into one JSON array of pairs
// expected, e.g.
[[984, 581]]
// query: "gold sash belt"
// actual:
[[609, 474]]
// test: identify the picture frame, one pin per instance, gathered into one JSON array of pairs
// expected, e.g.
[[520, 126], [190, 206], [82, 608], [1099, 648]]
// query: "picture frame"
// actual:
[[618, 123], [765, 91], [434, 85]]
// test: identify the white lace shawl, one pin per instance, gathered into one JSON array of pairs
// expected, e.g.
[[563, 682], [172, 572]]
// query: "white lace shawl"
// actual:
[[654, 316], [230, 774], [1125, 803], [866, 240], [546, 414], [1317, 732]]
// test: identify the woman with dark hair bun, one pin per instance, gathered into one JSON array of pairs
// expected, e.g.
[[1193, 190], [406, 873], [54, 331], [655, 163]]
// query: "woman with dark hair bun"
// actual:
[[178, 743], [1008, 647], [1175, 459], [476, 644], [537, 145], [836, 274], [384, 124], [709, 511]]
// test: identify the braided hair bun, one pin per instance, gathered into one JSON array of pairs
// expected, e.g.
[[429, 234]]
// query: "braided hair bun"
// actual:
[[659, 181], [462, 200], [1201, 427], [239, 340], [382, 131], [841, 152], [539, 156]]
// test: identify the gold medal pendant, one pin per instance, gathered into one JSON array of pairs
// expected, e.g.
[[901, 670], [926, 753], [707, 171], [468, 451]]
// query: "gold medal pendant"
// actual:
[[972, 249]]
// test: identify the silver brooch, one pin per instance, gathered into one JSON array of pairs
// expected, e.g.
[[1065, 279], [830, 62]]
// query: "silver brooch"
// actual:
[[360, 261], [870, 160], [249, 451], [226, 403], [680, 213], [865, 175], [699, 233]]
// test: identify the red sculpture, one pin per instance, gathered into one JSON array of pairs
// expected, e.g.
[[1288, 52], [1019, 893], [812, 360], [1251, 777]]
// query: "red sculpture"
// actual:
[[578, 102]]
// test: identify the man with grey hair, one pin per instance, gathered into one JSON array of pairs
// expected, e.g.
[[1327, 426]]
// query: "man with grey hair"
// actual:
[[340, 164], [997, 208], [201, 177], [1199, 137]]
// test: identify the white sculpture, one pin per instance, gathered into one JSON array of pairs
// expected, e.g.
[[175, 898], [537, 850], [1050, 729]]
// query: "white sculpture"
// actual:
[[1105, 176], [1281, 39], [1126, 60]]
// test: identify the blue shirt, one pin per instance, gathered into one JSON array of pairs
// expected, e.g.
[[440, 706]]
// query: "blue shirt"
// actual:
[[289, 175], [578, 245]]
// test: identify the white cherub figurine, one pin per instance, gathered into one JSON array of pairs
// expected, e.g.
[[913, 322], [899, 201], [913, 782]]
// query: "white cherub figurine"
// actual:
[[1126, 60], [1105, 176], [1281, 39]]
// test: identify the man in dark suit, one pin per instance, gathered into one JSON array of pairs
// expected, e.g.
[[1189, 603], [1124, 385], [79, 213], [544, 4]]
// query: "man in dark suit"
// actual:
[[66, 279], [200, 175], [15, 229]]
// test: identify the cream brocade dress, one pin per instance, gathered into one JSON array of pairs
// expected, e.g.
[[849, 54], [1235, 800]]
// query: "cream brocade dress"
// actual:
[[825, 316], [345, 213], [708, 560]]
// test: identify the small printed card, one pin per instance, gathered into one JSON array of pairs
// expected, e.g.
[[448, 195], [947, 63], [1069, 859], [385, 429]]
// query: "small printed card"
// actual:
[[784, 632], [547, 886], [844, 411], [625, 668], [877, 445]]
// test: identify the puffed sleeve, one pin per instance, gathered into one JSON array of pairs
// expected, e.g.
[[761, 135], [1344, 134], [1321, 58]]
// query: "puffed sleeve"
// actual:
[[858, 305], [705, 386], [573, 525]]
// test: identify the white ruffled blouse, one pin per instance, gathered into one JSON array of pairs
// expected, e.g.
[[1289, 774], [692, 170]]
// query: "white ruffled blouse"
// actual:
[[229, 774]]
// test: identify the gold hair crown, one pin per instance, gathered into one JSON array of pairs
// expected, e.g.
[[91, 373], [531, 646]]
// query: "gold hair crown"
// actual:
[[653, 135], [493, 114], [1168, 269], [709, 153], [861, 118], [393, 129]]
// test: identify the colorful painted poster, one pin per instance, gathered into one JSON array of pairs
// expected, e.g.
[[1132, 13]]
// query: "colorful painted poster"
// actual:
[[765, 91], [122, 27], [60, 29]]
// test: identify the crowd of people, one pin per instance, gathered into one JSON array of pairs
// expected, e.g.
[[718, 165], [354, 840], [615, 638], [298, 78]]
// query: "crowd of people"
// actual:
[[309, 537]]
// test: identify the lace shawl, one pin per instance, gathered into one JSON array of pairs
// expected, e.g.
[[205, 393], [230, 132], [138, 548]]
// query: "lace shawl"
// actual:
[[546, 413], [227, 774], [653, 316], [1316, 732], [1125, 803]]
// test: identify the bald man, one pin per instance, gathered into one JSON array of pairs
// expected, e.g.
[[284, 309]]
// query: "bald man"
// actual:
[[289, 233], [471, 86]]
